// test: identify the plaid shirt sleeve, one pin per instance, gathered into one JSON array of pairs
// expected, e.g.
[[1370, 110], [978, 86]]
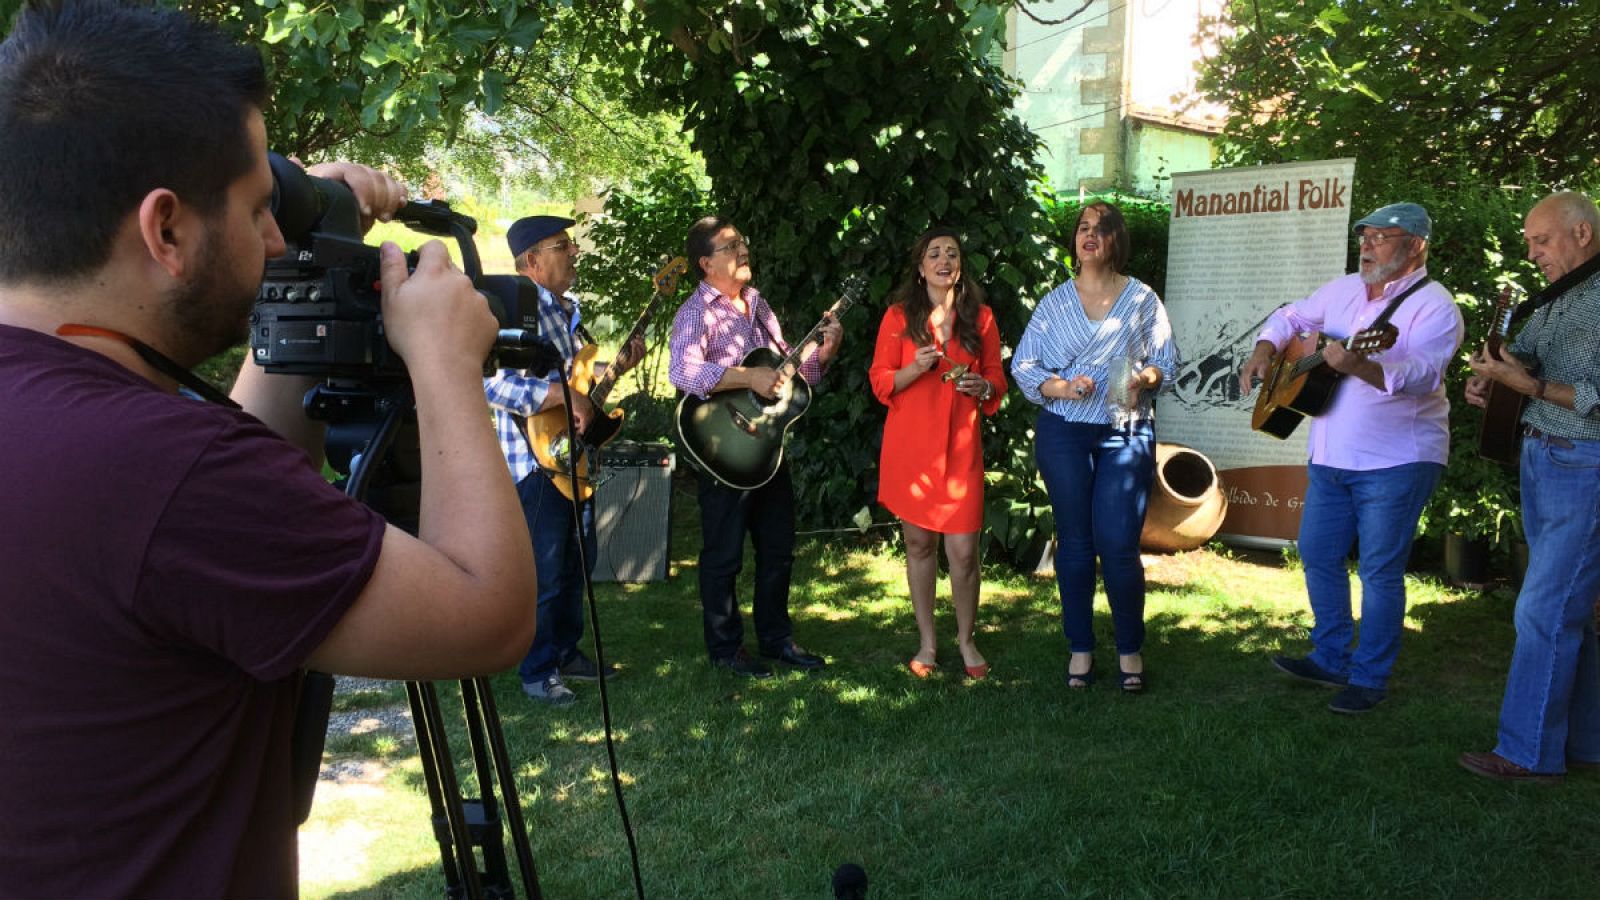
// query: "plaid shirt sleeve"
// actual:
[[515, 393], [692, 370], [511, 395]]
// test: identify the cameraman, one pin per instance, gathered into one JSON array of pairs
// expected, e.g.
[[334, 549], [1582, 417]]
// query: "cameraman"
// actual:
[[169, 564]]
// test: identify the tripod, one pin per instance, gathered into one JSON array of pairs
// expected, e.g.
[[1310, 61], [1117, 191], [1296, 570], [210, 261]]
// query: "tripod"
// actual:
[[372, 438]]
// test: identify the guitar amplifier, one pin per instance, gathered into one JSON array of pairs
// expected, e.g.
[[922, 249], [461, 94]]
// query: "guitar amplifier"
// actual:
[[632, 507]]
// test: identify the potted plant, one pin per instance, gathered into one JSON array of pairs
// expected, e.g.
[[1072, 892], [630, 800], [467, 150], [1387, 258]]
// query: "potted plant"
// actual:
[[1473, 511]]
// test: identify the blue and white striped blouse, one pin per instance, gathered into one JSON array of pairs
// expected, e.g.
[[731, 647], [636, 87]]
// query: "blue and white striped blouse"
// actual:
[[1061, 341]]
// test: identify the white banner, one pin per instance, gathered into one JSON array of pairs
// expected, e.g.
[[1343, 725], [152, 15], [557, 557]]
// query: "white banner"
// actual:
[[1244, 242]]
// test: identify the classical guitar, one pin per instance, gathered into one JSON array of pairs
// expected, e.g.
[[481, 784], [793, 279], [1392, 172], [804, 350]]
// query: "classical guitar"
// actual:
[[1502, 416], [547, 430], [737, 436], [1300, 384]]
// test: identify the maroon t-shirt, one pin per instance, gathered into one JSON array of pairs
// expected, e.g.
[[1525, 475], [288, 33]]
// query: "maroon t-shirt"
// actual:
[[165, 567]]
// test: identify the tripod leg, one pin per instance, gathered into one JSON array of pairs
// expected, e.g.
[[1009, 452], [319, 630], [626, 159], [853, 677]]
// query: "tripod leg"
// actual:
[[488, 833], [508, 787], [444, 794]]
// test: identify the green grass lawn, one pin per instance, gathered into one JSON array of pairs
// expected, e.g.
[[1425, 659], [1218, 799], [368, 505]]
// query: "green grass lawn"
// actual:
[[1225, 779]]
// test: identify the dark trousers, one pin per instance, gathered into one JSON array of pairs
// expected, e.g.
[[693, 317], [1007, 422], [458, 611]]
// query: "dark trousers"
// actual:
[[726, 516], [555, 554]]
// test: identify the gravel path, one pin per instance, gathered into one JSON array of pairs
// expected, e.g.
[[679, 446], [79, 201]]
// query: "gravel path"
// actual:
[[394, 720]]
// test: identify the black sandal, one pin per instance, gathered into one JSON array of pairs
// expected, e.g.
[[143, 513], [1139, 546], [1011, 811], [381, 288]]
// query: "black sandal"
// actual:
[[1130, 682], [1080, 681]]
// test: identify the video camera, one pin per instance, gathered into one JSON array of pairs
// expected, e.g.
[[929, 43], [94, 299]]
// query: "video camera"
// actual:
[[318, 310]]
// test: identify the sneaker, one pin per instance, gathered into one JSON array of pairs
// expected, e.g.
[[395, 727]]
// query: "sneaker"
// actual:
[[578, 667], [1355, 699], [551, 691], [742, 665], [1306, 670]]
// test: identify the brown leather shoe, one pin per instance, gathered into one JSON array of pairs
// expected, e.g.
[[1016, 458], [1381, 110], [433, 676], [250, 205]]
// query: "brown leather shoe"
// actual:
[[1492, 765]]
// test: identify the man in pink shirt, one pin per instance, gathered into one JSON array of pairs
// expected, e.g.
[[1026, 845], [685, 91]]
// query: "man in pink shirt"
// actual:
[[721, 322], [1377, 451]]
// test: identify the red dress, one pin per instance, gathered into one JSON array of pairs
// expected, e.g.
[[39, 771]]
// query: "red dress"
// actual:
[[930, 472]]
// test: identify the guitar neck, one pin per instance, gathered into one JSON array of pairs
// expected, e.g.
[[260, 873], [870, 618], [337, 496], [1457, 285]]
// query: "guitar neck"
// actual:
[[607, 381], [1306, 363], [791, 363], [797, 354], [1500, 325]]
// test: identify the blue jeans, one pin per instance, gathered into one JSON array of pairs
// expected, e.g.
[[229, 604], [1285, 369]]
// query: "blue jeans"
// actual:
[[1551, 711], [1380, 507], [555, 554], [1099, 484]]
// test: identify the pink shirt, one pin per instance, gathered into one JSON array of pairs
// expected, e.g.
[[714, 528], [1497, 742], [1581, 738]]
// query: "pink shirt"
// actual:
[[1366, 428], [710, 336]]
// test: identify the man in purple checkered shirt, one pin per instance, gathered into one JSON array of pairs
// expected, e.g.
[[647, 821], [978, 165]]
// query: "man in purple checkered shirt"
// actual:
[[722, 321]]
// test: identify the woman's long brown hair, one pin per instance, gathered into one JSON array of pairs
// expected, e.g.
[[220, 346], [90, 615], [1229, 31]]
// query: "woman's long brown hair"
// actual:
[[912, 294]]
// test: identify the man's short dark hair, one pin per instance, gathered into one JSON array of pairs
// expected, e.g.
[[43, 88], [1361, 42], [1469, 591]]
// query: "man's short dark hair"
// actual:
[[701, 236], [102, 102]]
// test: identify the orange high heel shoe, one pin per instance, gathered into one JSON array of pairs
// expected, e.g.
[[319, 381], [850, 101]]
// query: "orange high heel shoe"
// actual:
[[922, 669]]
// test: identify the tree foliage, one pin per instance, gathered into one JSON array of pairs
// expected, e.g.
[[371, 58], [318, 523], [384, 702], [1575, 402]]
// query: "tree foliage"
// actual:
[[1500, 85], [382, 79], [565, 127], [834, 133], [497, 90]]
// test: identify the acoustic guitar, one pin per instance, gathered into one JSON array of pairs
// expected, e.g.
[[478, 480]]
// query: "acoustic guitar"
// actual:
[[737, 436], [1501, 433], [1300, 384], [547, 430]]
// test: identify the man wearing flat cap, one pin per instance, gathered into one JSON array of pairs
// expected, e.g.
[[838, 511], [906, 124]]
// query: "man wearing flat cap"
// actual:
[[544, 251], [1377, 451]]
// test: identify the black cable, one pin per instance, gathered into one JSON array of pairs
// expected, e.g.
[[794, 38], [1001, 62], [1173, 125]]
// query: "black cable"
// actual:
[[1023, 8], [574, 448]]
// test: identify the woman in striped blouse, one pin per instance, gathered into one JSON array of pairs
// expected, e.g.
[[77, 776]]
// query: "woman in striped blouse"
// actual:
[[1095, 351]]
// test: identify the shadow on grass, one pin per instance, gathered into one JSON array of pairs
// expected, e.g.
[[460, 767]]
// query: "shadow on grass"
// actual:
[[1225, 779]]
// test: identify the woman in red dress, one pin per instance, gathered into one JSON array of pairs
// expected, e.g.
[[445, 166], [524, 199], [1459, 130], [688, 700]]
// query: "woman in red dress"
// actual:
[[936, 366]]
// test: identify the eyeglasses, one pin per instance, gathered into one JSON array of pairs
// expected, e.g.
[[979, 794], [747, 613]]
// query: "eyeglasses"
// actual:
[[736, 244], [1378, 238], [561, 246]]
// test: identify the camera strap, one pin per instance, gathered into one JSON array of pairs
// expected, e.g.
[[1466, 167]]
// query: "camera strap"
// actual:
[[157, 361]]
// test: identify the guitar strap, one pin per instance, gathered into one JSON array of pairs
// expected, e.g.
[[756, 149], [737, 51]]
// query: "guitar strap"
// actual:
[[1556, 288], [1383, 318], [772, 339]]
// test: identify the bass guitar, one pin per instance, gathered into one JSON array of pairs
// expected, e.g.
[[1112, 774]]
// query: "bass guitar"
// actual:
[[1501, 432], [547, 431], [737, 436], [1300, 384]]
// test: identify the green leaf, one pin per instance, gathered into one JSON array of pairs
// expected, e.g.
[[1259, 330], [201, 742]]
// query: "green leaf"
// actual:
[[493, 86]]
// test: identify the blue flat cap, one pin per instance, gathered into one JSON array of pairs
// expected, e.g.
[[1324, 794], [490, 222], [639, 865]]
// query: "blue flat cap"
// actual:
[[530, 230], [1410, 217]]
